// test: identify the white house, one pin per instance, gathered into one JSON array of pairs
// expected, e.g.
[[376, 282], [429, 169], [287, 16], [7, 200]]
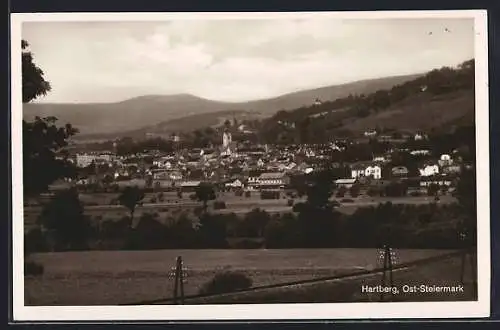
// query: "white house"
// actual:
[[366, 170], [373, 171], [357, 171], [429, 170], [445, 160]]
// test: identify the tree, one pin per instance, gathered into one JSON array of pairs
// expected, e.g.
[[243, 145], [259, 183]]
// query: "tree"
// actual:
[[130, 198], [205, 192], [254, 223], [34, 84], [317, 218], [43, 142], [43, 159], [63, 217]]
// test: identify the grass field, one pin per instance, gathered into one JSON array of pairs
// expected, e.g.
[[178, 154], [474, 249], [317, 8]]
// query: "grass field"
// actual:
[[444, 272], [120, 277]]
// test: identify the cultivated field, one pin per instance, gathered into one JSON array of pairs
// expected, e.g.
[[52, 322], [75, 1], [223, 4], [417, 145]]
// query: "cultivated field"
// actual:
[[121, 277]]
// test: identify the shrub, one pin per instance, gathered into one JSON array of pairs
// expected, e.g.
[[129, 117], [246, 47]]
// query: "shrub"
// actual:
[[225, 282], [218, 205], [33, 268], [290, 202], [153, 200], [248, 194], [346, 200]]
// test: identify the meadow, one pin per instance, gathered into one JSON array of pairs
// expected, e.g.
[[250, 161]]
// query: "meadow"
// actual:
[[121, 277]]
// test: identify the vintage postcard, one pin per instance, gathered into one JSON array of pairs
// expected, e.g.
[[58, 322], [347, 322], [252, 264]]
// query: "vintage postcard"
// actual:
[[250, 166]]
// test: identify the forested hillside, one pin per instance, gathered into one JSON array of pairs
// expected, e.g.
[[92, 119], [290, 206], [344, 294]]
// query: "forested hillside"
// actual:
[[436, 99]]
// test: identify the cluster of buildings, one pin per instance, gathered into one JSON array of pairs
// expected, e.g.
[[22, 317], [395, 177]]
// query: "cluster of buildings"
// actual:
[[259, 167]]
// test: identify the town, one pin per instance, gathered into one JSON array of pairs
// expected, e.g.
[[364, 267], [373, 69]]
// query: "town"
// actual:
[[252, 169]]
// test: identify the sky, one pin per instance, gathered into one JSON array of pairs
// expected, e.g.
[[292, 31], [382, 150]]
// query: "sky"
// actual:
[[236, 59]]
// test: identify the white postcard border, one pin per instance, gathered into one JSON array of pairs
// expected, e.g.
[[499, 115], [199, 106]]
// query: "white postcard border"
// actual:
[[480, 308]]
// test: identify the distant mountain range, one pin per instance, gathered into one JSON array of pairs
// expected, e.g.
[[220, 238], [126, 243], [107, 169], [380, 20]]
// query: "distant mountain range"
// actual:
[[164, 113]]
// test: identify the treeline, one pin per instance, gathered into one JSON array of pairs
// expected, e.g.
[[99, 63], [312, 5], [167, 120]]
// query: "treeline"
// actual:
[[400, 226], [311, 124]]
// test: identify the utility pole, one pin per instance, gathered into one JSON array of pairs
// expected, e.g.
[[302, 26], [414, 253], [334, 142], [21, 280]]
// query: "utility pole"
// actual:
[[388, 256], [468, 252], [179, 278]]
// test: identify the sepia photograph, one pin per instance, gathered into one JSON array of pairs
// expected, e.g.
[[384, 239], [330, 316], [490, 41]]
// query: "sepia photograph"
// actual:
[[298, 165]]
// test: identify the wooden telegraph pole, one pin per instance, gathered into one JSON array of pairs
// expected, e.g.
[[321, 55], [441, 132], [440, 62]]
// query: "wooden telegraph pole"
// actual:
[[468, 253], [387, 270], [176, 281], [179, 278]]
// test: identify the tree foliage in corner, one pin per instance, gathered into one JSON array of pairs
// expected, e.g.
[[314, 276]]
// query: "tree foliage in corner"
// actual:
[[34, 84], [43, 142]]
